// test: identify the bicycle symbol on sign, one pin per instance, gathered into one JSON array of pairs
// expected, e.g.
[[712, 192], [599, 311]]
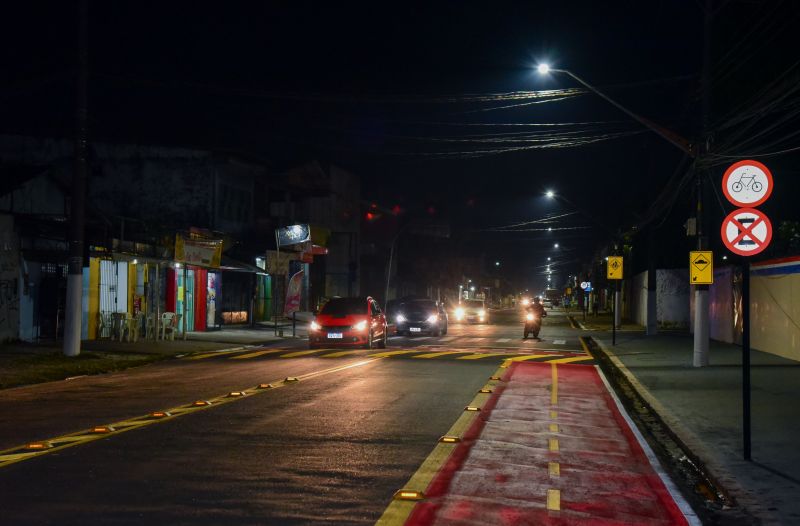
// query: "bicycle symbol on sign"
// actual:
[[747, 181]]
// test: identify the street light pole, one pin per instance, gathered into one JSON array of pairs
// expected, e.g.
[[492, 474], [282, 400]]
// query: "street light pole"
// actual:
[[701, 295]]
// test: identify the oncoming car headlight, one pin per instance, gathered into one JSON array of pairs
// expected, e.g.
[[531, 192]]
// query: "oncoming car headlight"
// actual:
[[459, 312], [433, 318], [529, 316], [360, 326], [482, 313], [315, 326], [400, 318]]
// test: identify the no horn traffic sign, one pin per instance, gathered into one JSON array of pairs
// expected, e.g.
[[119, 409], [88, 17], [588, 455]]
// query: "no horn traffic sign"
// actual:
[[746, 231]]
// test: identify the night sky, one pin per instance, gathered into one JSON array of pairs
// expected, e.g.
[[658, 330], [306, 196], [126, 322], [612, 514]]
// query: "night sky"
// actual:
[[417, 98]]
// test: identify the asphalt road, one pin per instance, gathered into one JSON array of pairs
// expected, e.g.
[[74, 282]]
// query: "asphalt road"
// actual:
[[330, 448]]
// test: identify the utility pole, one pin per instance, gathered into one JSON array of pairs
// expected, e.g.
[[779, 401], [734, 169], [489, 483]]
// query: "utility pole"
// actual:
[[74, 311], [701, 321]]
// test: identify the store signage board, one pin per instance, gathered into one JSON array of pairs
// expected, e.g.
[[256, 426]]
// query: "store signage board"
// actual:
[[701, 267], [746, 231], [614, 267], [292, 235], [747, 183]]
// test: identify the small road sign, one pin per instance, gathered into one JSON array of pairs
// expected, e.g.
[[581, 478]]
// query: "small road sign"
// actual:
[[747, 183], [701, 267], [614, 267], [746, 231]]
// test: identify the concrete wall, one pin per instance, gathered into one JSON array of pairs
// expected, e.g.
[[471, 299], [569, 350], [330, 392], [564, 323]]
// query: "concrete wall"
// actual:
[[672, 298], [9, 280]]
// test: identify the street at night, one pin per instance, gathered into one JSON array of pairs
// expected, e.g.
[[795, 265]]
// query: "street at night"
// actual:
[[451, 263]]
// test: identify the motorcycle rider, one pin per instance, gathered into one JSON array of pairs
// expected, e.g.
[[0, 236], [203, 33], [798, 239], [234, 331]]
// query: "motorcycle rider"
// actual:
[[534, 313]]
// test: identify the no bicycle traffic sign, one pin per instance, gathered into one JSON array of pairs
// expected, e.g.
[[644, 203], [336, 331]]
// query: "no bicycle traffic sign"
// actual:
[[746, 231]]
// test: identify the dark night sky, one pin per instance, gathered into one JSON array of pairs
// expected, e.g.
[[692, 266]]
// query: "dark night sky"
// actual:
[[375, 87]]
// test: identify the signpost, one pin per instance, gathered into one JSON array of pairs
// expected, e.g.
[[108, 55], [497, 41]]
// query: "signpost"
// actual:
[[614, 272], [701, 267], [746, 232]]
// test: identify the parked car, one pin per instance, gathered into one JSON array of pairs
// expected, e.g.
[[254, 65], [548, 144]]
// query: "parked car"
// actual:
[[349, 322], [420, 317], [471, 311]]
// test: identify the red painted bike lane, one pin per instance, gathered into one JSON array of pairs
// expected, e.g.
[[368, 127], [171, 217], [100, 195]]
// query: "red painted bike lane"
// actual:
[[551, 447]]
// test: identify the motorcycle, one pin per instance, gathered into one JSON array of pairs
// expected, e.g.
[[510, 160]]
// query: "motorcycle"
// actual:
[[533, 324]]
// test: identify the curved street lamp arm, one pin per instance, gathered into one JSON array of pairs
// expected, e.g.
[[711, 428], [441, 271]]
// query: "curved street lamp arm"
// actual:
[[675, 139]]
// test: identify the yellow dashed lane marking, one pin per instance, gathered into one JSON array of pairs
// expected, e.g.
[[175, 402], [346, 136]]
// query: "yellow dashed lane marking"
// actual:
[[390, 353], [340, 354], [299, 353], [524, 358], [554, 468], [553, 500], [552, 444], [254, 354], [554, 428], [572, 359], [439, 354], [213, 354], [19, 454], [478, 356], [554, 390]]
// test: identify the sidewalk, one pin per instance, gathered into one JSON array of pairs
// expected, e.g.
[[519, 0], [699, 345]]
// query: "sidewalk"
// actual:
[[703, 407]]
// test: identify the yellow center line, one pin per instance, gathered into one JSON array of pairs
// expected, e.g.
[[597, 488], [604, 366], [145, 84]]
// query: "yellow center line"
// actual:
[[554, 390], [554, 468], [552, 444], [553, 415], [554, 428]]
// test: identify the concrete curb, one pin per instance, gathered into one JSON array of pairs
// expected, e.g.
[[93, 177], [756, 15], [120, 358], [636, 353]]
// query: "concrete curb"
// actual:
[[687, 440]]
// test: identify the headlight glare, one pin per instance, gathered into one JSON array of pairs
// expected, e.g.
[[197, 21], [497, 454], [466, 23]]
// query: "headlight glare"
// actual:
[[433, 318], [360, 326], [315, 326], [400, 318]]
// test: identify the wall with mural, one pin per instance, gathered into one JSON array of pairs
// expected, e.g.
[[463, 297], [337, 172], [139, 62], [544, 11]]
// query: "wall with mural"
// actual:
[[9, 280]]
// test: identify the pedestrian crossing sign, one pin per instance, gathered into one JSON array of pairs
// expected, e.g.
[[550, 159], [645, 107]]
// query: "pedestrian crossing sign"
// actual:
[[701, 267], [614, 267]]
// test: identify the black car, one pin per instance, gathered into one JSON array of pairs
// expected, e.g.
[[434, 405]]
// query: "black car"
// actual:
[[420, 317]]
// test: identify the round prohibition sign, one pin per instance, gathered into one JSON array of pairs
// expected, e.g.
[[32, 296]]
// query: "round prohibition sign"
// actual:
[[746, 231], [747, 183]]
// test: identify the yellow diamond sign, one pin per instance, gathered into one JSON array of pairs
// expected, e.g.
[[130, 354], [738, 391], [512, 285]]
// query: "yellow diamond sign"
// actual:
[[614, 267], [701, 267]]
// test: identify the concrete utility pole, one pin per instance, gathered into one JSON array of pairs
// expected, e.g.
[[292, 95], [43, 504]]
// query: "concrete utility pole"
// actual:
[[74, 311], [652, 284], [701, 321]]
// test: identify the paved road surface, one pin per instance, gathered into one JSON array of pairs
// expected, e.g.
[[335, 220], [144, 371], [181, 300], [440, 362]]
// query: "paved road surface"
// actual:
[[332, 447]]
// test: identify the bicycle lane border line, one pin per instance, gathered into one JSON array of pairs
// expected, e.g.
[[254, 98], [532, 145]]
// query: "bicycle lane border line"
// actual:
[[442, 463], [24, 452], [688, 513], [718, 474]]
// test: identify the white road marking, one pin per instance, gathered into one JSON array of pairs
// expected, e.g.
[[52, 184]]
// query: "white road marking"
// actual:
[[559, 342], [503, 340]]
